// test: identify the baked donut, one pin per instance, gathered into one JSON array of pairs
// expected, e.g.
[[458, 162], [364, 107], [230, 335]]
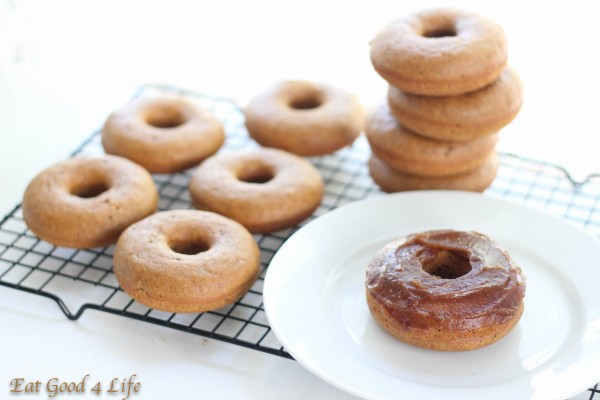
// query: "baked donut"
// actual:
[[440, 52], [164, 134], [410, 153], [304, 118], [445, 290], [463, 117], [186, 261], [476, 180], [263, 189], [88, 201]]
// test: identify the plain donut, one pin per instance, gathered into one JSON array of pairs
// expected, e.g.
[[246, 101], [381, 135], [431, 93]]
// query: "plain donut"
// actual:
[[463, 117], [186, 261], [88, 201], [304, 118], [405, 151], [476, 180], [163, 134], [440, 52], [263, 189]]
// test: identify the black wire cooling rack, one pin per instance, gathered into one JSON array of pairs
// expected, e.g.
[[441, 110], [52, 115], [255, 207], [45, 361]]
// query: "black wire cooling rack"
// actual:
[[78, 280]]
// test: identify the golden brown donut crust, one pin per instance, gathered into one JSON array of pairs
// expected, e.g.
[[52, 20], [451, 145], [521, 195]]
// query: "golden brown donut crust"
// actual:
[[437, 340], [440, 52], [405, 151], [476, 180], [304, 118], [445, 290], [263, 189], [164, 134], [186, 261], [463, 117], [88, 201]]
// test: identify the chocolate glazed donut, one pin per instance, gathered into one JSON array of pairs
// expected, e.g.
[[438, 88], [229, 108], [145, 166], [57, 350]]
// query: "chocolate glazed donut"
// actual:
[[445, 290]]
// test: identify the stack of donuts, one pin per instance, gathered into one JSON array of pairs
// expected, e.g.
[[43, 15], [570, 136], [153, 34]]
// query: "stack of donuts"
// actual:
[[450, 92]]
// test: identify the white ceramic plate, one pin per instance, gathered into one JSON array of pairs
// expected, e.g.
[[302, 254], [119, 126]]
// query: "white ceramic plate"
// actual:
[[314, 298]]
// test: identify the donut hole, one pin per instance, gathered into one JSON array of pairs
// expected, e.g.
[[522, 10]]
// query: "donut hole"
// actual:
[[444, 31], [438, 27], [189, 246], [256, 173], [447, 264], [165, 117], [88, 190], [308, 101]]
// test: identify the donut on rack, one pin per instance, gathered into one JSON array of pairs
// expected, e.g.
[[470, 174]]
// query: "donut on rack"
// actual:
[[304, 118], [164, 133], [186, 261], [263, 189], [88, 201]]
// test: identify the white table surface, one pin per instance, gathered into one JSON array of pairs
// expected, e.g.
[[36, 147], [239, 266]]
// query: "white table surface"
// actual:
[[64, 65]]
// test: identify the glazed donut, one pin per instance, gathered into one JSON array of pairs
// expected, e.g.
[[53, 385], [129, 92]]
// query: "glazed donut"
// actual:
[[407, 152], [440, 52], [88, 201], [304, 118], [476, 180], [263, 189], [163, 134], [186, 261], [445, 290], [463, 117]]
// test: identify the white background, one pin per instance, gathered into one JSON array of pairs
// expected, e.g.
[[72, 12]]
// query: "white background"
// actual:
[[65, 65]]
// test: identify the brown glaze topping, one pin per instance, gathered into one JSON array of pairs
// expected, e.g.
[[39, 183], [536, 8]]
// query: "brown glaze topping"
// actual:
[[446, 279]]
